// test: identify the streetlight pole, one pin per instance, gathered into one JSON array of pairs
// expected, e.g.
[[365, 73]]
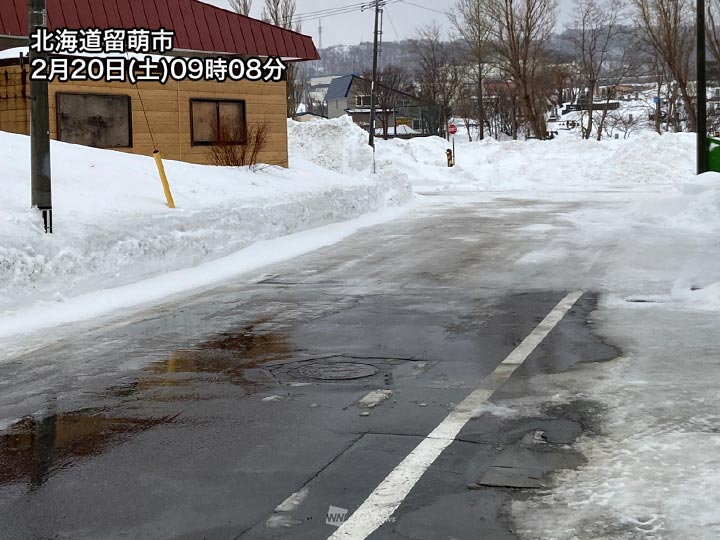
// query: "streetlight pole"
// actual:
[[40, 177], [702, 150], [374, 74]]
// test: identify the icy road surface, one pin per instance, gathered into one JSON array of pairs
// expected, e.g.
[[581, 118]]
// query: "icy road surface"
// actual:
[[276, 407]]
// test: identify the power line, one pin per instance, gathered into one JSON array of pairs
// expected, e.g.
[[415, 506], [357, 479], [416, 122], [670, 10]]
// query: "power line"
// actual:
[[342, 10], [329, 12], [397, 35], [423, 7], [315, 12]]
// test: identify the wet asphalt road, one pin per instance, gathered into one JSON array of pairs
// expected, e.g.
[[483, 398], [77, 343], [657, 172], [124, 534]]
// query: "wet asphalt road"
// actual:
[[198, 418]]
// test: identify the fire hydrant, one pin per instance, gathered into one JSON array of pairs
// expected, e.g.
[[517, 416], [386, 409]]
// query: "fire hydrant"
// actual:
[[450, 157]]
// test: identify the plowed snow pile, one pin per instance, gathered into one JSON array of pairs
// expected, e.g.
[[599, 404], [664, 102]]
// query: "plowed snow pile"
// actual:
[[112, 226], [644, 160]]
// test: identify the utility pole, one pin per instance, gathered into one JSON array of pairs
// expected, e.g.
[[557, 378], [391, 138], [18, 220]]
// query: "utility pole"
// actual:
[[380, 37], [39, 124], [702, 150], [374, 76], [320, 33], [481, 104]]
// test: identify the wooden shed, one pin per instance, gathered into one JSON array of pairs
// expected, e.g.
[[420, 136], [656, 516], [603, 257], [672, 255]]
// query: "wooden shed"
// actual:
[[180, 118]]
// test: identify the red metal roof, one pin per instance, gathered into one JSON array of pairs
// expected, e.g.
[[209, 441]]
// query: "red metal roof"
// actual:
[[198, 26]]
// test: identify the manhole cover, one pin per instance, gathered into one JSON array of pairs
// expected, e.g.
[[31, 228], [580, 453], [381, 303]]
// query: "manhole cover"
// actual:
[[337, 371]]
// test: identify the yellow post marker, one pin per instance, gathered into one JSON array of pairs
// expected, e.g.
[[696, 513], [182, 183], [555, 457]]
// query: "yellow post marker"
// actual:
[[163, 178]]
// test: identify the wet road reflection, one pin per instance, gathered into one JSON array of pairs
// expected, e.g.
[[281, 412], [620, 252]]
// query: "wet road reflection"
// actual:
[[229, 354], [35, 448]]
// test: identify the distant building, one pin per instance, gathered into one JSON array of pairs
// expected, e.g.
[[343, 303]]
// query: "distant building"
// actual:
[[318, 86], [350, 95]]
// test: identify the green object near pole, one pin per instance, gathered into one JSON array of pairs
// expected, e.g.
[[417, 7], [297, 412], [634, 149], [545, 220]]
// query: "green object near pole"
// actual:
[[713, 154]]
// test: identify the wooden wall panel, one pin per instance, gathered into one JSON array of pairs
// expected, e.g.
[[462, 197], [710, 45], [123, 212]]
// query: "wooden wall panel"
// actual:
[[163, 110], [14, 103]]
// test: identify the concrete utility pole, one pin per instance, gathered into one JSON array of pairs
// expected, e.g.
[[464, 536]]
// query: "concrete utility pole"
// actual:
[[40, 125], [702, 150], [374, 74]]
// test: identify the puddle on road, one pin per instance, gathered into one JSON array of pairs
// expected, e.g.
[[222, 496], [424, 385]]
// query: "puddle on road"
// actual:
[[34, 449], [234, 356]]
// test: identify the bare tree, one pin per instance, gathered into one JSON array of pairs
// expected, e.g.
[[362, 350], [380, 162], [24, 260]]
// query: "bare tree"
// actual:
[[656, 68], [616, 122], [668, 28], [282, 13], [279, 12], [439, 74], [520, 30], [614, 75], [300, 90], [394, 83], [242, 7], [500, 96], [465, 109], [712, 29], [470, 21], [597, 23]]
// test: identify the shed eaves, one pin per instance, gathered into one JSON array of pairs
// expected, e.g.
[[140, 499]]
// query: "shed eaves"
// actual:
[[198, 26]]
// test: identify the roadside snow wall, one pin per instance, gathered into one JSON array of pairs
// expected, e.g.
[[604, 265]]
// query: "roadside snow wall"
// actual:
[[112, 226]]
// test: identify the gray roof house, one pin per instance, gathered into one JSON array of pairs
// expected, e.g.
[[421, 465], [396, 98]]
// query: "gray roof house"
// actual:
[[338, 95], [350, 95]]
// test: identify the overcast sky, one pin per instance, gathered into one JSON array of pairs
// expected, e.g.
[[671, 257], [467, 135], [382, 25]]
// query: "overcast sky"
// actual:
[[402, 18]]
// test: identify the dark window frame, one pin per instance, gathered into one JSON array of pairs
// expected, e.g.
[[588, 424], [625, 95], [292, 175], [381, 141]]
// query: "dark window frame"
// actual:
[[217, 101], [97, 94], [362, 100]]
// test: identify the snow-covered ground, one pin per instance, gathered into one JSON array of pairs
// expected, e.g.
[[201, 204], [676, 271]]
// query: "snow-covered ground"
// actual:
[[651, 472], [113, 228]]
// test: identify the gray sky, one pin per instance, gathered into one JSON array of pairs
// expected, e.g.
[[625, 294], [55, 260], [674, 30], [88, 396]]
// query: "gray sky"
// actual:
[[401, 19]]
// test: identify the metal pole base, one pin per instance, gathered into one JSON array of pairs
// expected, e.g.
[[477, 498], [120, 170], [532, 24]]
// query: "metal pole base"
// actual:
[[47, 219]]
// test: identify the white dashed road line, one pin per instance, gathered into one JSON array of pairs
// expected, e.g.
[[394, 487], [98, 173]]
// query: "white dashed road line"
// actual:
[[388, 496]]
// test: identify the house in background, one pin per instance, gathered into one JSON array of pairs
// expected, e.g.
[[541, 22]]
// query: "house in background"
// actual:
[[318, 86], [182, 118], [350, 95]]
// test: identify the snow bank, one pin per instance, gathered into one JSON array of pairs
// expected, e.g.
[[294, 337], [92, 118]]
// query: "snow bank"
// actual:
[[645, 159], [112, 226], [338, 144]]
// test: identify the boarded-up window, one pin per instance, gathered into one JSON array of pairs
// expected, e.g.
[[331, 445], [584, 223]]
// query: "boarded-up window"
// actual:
[[218, 122], [99, 120]]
